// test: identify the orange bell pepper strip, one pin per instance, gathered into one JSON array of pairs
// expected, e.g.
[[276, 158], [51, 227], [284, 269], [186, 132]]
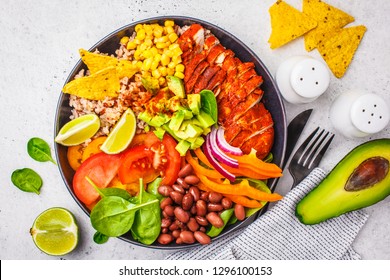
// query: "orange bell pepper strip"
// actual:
[[242, 188], [244, 201], [202, 157], [200, 170]]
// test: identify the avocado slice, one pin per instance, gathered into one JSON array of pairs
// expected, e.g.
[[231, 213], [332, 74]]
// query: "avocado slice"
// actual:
[[205, 119], [176, 85], [360, 179], [194, 103], [176, 120]]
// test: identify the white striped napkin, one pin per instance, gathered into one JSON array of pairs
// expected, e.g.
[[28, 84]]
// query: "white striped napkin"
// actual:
[[278, 235]]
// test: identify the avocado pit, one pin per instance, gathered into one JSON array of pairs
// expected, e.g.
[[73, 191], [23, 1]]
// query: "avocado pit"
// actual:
[[368, 173]]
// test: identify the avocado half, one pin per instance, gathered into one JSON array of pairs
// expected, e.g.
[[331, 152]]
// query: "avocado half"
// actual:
[[360, 179]]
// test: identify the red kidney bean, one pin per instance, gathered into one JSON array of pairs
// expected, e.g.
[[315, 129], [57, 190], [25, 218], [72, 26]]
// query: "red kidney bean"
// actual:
[[214, 207], [169, 210], [187, 201], [239, 212], [201, 208], [191, 179], [179, 240], [181, 182], [195, 192], [215, 197], [192, 225], [165, 230], [202, 237], [186, 170], [193, 210], [165, 238], [180, 225], [165, 215], [174, 226], [214, 219], [176, 197], [204, 196], [187, 237], [226, 203], [176, 233], [201, 220], [181, 215], [165, 223], [202, 229], [164, 190], [166, 201], [178, 188]]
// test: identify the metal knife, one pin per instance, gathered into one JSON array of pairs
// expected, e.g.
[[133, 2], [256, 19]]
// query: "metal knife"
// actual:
[[294, 131]]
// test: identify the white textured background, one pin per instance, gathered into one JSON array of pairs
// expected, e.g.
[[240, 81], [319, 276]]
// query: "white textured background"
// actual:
[[39, 42]]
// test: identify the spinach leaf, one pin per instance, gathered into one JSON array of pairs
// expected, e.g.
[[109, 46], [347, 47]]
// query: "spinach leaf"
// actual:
[[153, 188], [147, 221], [27, 180], [114, 216], [109, 191], [39, 150], [208, 103], [100, 238]]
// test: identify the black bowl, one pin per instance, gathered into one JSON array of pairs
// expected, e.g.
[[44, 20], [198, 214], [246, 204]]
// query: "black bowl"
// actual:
[[272, 100]]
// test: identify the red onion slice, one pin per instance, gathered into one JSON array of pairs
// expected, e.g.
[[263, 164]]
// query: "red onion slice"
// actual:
[[217, 153], [224, 145], [215, 163]]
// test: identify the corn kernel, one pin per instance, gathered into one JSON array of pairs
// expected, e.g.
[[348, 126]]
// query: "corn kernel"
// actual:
[[161, 39], [147, 54], [137, 41], [143, 47], [180, 75], [131, 45], [158, 32], [161, 45], [156, 73], [163, 70], [173, 46], [124, 40], [148, 28], [169, 23], [146, 64], [148, 42], [176, 59], [137, 54], [161, 81], [139, 64], [157, 57], [179, 68], [138, 27], [171, 65], [154, 65], [168, 52], [177, 52], [170, 71], [169, 30], [141, 34], [165, 59]]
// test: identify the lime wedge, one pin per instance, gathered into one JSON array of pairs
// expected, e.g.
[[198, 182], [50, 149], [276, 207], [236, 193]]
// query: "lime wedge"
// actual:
[[121, 135], [78, 130], [55, 231]]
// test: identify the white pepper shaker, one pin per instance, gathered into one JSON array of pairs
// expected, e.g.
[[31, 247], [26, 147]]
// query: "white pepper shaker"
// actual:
[[357, 114], [302, 79]]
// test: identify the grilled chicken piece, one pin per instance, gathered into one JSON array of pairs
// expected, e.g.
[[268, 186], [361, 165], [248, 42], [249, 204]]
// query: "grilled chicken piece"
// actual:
[[204, 79]]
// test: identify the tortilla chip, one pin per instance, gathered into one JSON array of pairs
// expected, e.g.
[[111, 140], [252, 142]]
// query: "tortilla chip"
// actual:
[[96, 86], [287, 24], [96, 62], [338, 48], [328, 18]]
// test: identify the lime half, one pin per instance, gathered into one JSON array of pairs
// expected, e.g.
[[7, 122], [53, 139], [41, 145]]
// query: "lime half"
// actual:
[[78, 130], [55, 231], [121, 135]]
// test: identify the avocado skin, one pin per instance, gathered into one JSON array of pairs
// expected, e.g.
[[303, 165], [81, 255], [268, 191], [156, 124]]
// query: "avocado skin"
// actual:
[[329, 199]]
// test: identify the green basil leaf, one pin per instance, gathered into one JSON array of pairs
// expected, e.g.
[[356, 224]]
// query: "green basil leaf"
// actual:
[[39, 150], [208, 103], [27, 180], [100, 238]]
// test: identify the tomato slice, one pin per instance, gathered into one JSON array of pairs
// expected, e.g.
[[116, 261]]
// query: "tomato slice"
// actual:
[[101, 169], [172, 167], [151, 159], [137, 163]]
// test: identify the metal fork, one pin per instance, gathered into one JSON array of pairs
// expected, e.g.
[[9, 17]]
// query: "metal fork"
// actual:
[[309, 154]]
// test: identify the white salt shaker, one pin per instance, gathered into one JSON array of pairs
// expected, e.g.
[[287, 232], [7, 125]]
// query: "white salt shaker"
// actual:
[[357, 114], [302, 79]]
